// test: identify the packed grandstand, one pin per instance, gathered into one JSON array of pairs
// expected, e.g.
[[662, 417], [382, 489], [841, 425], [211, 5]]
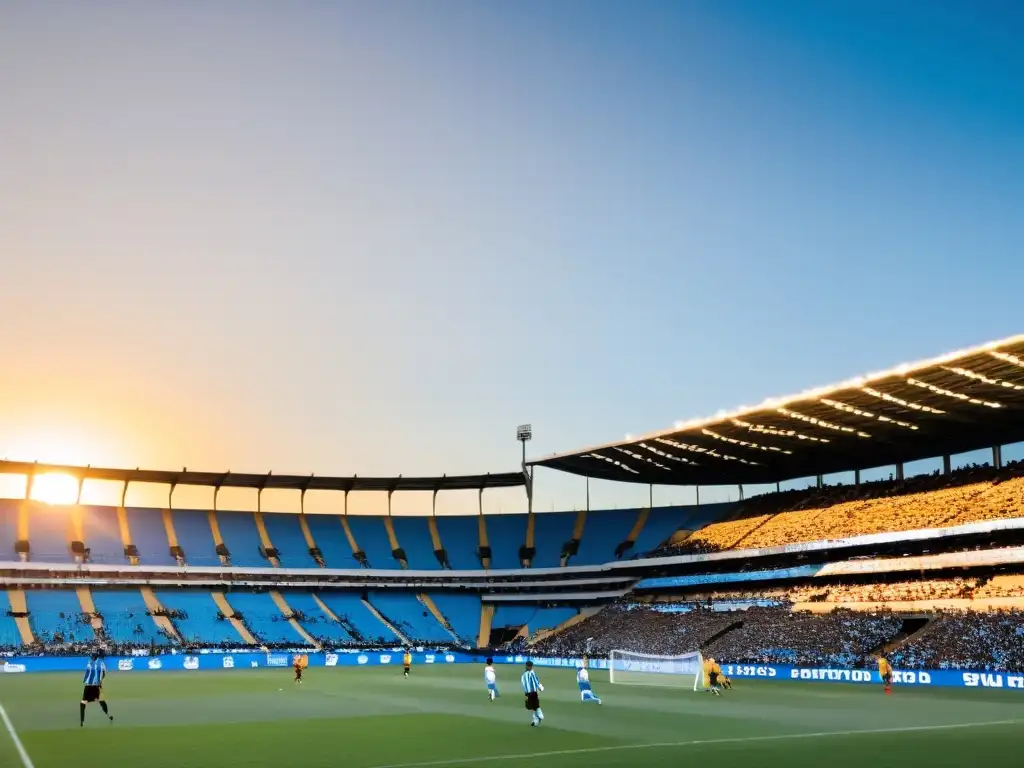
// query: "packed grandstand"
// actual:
[[926, 569]]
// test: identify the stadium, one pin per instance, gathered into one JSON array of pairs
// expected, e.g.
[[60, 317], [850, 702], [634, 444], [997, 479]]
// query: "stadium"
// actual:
[[795, 593]]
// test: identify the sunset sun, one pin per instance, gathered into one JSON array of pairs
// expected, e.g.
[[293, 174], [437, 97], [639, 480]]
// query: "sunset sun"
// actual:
[[55, 488]]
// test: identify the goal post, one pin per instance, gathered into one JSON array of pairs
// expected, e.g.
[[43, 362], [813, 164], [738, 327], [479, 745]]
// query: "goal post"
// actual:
[[683, 671]]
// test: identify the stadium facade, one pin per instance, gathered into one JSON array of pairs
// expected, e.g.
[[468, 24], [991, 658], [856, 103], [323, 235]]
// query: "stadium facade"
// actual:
[[82, 575]]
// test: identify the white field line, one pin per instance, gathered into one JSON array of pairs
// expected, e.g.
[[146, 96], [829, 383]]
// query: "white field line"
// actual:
[[25, 759], [695, 743]]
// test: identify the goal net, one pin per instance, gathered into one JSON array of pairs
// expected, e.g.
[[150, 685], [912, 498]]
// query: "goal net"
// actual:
[[683, 671]]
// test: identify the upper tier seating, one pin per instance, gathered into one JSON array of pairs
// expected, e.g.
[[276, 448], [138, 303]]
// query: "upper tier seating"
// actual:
[[505, 534], [330, 539], [372, 538], [242, 539], [534, 618], [102, 535], [149, 536], [970, 495], [461, 539], [8, 528], [552, 531], [603, 532], [413, 536], [9, 635], [195, 537], [285, 534], [50, 534]]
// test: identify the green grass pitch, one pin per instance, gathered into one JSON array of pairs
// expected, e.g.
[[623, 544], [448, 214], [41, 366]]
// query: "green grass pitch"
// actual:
[[371, 718]]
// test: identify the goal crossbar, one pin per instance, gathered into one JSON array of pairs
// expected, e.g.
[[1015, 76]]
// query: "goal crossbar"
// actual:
[[685, 670]]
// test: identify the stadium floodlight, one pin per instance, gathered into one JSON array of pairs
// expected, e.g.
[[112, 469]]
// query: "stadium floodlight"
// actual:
[[524, 433], [682, 671]]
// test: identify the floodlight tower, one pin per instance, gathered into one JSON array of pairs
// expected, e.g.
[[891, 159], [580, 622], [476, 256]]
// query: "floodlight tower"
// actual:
[[524, 433]]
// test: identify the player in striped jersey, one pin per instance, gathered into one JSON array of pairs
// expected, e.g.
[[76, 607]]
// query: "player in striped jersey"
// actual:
[[95, 671], [532, 688]]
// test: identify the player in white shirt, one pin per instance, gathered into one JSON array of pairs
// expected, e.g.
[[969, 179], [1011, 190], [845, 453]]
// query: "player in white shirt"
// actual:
[[491, 680], [583, 680]]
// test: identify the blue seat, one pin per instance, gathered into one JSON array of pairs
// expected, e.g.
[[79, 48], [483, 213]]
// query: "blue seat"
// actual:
[[195, 537], [9, 635], [200, 624], [372, 538], [661, 523], [286, 535], [330, 538], [263, 618], [48, 534], [413, 534], [534, 618], [126, 618], [550, 532], [317, 623], [505, 534], [149, 536], [462, 612], [350, 607], [460, 536], [103, 535], [56, 616], [603, 532], [410, 617], [242, 539]]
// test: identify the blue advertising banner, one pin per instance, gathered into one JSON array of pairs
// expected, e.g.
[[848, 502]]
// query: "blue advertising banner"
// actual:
[[231, 660]]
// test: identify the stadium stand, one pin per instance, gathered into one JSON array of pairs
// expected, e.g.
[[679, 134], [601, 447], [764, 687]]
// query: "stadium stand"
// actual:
[[358, 619], [603, 531], [8, 528], [264, 619], [194, 536], [126, 618], [197, 618], [459, 535], [410, 617], [150, 536], [321, 626], [238, 530], [552, 532], [462, 612], [56, 617], [49, 533], [329, 536], [506, 534], [967, 640], [285, 534], [10, 637], [530, 619], [413, 536], [372, 538], [101, 534]]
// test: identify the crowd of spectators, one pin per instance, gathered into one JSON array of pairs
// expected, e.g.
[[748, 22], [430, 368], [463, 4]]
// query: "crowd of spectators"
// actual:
[[971, 494], [967, 640]]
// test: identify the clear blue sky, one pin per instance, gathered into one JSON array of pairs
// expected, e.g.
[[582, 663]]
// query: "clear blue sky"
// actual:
[[375, 237]]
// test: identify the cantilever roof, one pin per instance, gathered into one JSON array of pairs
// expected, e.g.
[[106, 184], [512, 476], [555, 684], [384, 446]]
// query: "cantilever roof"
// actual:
[[951, 404], [271, 481]]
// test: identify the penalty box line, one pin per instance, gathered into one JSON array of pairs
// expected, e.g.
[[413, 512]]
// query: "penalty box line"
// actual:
[[26, 761], [695, 743]]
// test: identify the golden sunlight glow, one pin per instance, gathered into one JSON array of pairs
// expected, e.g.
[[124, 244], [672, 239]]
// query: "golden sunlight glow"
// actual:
[[55, 488]]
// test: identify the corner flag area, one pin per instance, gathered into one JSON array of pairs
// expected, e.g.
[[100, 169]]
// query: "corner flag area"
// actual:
[[373, 718]]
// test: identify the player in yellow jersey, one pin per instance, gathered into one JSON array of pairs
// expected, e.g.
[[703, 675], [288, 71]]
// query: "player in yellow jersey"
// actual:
[[407, 662], [299, 663], [711, 674], [885, 672]]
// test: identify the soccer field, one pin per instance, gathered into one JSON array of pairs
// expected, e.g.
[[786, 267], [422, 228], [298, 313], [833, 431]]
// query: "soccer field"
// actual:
[[372, 718]]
